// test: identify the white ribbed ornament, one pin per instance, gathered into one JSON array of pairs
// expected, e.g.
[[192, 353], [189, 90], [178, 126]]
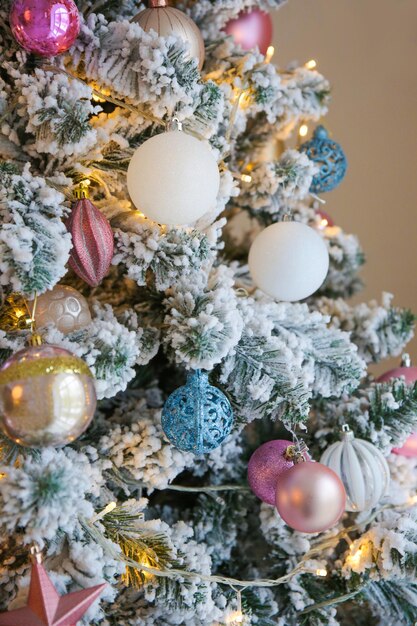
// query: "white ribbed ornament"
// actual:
[[362, 469]]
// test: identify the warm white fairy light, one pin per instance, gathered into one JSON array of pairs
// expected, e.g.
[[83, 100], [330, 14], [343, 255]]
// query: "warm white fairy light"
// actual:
[[246, 178], [269, 54], [303, 130], [311, 65], [321, 572]]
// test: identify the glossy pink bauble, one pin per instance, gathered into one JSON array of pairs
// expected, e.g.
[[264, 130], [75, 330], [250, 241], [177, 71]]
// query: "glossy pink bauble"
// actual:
[[409, 449], [45, 27], [409, 373], [310, 497], [251, 29]]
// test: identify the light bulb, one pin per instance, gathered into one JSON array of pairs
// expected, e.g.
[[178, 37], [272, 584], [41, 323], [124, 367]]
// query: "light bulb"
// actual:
[[311, 65], [303, 130]]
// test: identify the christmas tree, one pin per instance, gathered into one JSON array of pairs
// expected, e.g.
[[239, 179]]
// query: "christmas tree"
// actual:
[[164, 252]]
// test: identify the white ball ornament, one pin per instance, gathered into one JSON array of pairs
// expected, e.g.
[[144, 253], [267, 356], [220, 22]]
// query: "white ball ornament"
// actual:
[[173, 178], [362, 469], [289, 261]]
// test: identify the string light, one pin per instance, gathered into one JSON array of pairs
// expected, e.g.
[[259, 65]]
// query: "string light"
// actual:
[[353, 560], [303, 130], [269, 54], [412, 500], [321, 572], [311, 65], [108, 509], [246, 178]]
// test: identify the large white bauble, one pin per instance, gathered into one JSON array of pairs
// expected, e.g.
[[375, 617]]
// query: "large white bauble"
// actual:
[[289, 261], [362, 469], [173, 178]]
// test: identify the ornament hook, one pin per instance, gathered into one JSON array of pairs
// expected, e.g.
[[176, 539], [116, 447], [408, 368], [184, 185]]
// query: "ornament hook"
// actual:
[[406, 360], [174, 124]]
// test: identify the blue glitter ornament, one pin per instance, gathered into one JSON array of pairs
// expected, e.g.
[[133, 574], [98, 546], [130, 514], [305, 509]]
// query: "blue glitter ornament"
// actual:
[[329, 156], [197, 417]]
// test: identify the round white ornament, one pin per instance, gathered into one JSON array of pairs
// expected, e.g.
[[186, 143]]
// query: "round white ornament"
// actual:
[[362, 469], [173, 178], [289, 261]]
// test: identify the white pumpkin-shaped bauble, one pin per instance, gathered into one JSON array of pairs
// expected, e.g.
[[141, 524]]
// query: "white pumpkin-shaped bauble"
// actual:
[[362, 469]]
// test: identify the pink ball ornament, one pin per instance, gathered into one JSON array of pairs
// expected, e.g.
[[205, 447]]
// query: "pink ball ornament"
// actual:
[[409, 373], [251, 29], [409, 449], [310, 497], [45, 27], [265, 467]]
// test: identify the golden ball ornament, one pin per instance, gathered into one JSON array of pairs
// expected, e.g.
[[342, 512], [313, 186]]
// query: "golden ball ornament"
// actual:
[[64, 307], [166, 20], [47, 397]]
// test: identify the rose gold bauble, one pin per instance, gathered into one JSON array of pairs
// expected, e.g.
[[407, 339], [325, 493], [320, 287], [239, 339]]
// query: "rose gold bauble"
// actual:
[[166, 20], [310, 497], [47, 397], [64, 307]]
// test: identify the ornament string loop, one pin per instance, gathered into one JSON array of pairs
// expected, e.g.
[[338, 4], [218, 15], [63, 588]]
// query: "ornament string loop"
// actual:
[[36, 553], [405, 360], [297, 452], [174, 124]]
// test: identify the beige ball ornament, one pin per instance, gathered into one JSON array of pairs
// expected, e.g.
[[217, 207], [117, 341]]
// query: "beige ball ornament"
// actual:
[[173, 178], [166, 20], [47, 397], [289, 261], [64, 307]]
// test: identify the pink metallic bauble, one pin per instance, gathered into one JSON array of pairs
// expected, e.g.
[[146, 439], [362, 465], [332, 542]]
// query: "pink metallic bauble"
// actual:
[[409, 373], [47, 397], [45, 27], [92, 240], [265, 466], [251, 29], [310, 497], [166, 21], [409, 449]]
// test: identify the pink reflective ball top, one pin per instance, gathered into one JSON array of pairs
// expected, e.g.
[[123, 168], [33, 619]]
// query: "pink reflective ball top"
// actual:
[[251, 29], [45, 27]]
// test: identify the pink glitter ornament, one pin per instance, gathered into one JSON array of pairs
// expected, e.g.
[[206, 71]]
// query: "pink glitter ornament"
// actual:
[[46, 608], [409, 449], [310, 497], [45, 27], [265, 467], [92, 240], [251, 29]]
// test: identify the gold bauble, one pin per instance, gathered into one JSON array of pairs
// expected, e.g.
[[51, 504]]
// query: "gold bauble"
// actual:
[[14, 314], [64, 307], [47, 397], [166, 20]]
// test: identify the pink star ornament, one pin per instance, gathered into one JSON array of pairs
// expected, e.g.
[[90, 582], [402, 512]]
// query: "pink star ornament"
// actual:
[[46, 608]]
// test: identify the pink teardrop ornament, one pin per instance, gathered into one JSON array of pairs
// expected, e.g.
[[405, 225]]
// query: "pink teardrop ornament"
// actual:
[[92, 240]]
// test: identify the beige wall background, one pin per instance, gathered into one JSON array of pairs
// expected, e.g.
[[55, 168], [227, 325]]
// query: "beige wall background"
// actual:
[[368, 51]]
